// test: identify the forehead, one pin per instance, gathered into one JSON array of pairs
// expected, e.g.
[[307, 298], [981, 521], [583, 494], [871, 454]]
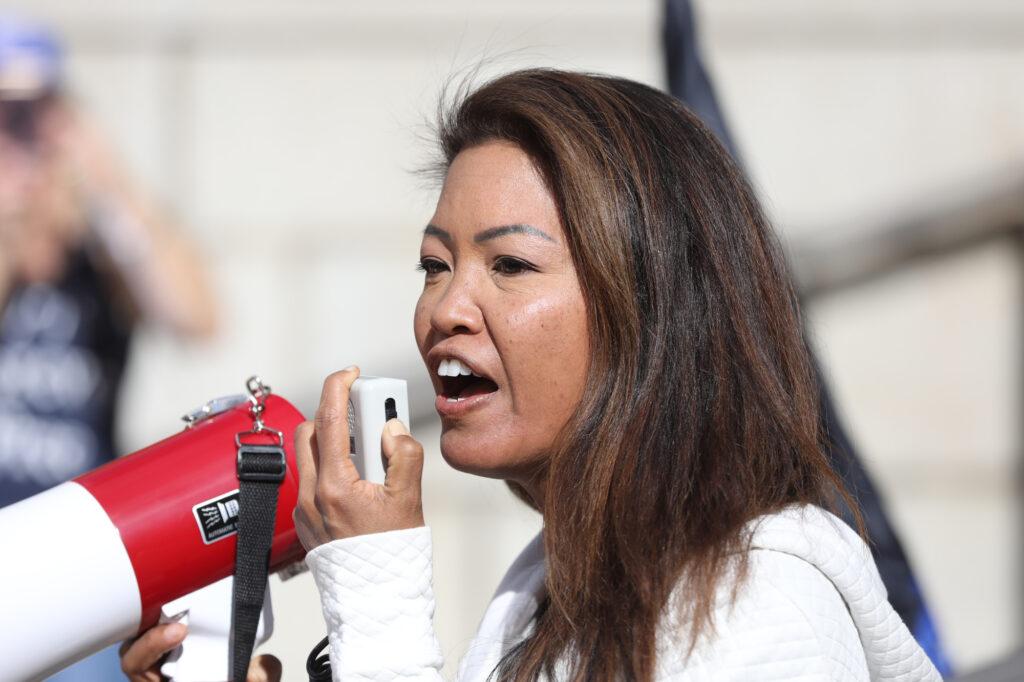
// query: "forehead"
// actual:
[[495, 183]]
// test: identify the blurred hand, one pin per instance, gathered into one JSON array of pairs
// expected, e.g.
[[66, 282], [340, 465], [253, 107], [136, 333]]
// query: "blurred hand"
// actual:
[[79, 148], [41, 180], [40, 214], [334, 502], [141, 657]]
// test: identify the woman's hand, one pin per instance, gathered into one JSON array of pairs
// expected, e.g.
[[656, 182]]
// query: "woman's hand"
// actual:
[[334, 502], [141, 657]]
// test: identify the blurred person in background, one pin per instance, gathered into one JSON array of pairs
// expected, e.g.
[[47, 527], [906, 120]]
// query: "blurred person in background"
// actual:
[[84, 257]]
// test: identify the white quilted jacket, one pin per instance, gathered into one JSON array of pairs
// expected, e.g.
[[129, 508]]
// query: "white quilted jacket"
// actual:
[[813, 608]]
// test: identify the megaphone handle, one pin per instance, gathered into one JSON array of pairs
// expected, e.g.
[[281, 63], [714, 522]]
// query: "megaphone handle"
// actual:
[[205, 654]]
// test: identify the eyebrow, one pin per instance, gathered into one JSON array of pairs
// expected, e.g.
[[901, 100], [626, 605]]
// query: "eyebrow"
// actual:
[[490, 233]]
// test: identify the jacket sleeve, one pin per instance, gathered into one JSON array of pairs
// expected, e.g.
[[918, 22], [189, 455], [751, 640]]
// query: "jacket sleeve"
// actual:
[[378, 602]]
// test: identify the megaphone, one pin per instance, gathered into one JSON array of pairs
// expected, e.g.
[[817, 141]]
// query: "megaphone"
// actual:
[[92, 561]]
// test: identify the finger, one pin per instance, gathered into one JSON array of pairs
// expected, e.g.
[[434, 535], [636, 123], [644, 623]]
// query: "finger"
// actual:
[[334, 463], [404, 455], [306, 457], [264, 668], [305, 514], [144, 652]]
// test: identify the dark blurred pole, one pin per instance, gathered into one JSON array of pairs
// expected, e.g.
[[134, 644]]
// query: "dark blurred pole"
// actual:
[[689, 82], [687, 78], [1020, 429]]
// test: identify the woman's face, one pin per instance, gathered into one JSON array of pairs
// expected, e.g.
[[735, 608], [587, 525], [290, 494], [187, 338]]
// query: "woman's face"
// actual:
[[501, 322]]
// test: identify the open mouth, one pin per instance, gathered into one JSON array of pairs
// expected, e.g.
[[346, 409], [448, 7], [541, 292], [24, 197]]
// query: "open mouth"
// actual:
[[459, 382]]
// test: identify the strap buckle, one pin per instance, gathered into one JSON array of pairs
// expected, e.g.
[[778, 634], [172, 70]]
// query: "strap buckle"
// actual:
[[262, 463]]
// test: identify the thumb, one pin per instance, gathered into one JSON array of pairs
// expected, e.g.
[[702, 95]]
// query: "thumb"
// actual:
[[404, 455], [264, 668]]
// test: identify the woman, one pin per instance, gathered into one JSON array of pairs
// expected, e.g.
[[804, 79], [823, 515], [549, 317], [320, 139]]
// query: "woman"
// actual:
[[609, 327]]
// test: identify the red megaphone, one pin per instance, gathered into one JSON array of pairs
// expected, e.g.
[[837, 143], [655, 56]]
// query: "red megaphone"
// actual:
[[90, 562]]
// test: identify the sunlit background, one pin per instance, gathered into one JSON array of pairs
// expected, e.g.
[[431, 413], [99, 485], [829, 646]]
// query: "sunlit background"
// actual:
[[886, 139]]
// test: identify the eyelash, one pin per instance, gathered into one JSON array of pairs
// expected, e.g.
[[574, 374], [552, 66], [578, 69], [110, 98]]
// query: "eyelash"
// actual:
[[503, 265], [428, 265]]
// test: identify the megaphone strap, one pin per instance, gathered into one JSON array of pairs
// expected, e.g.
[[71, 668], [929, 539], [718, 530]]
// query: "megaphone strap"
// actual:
[[261, 469]]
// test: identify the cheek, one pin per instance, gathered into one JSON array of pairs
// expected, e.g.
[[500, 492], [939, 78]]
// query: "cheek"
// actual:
[[421, 322], [551, 356]]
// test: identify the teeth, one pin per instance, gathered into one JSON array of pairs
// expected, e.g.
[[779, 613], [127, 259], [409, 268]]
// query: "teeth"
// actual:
[[451, 367]]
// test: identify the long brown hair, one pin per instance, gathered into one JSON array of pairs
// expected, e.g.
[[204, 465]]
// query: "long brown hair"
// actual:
[[700, 412]]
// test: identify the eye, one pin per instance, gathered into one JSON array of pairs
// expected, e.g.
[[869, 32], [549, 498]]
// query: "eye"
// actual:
[[431, 266], [508, 265]]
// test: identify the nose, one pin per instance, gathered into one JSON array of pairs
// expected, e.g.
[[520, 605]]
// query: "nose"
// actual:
[[457, 311]]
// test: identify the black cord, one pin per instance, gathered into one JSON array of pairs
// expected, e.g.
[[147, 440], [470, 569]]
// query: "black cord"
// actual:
[[319, 666]]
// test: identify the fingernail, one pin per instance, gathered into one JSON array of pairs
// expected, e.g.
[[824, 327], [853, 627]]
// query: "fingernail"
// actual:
[[180, 616], [174, 632], [397, 428], [349, 368]]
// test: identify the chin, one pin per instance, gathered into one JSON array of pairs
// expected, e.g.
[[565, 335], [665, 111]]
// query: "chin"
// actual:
[[486, 455]]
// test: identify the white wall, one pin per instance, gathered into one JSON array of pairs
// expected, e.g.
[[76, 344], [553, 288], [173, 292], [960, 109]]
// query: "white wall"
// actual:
[[283, 134]]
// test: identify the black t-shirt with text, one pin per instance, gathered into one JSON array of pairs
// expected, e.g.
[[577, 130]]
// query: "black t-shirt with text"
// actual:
[[63, 349]]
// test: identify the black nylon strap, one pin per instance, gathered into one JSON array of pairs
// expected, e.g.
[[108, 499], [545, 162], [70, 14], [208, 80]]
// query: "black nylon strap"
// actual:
[[261, 469]]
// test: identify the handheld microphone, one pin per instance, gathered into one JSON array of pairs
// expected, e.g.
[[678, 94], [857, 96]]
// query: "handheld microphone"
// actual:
[[372, 402]]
